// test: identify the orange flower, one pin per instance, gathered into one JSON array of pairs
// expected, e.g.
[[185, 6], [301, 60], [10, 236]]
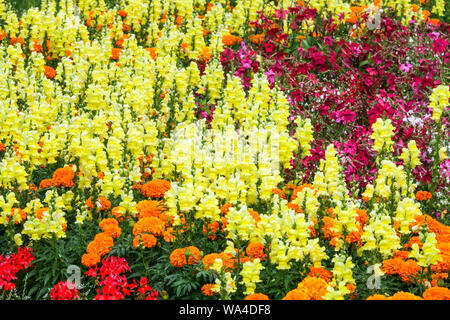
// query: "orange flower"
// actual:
[[229, 40], [184, 46], [423, 195], [168, 235], [209, 259], [21, 214], [398, 266], [377, 297], [178, 256], [148, 240], [111, 227], [352, 18], [122, 13], [152, 225], [315, 288], [155, 188], [50, 73], [300, 188], [436, 277], [15, 40], [149, 208], [404, 296], [204, 54], [320, 273], [207, 289], [255, 216], [362, 217], [178, 20], [257, 296], [115, 53], [62, 177], [434, 22], [296, 294], [279, 192], [101, 244], [2, 147], [225, 208], [90, 260], [211, 230], [401, 255], [117, 213], [257, 38], [40, 213], [46, 183], [256, 250], [152, 52], [103, 204], [437, 293]]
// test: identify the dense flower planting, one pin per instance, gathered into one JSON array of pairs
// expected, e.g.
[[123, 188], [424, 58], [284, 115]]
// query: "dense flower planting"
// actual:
[[244, 149]]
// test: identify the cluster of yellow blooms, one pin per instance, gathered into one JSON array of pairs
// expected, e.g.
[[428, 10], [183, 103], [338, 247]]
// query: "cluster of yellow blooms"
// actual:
[[111, 105]]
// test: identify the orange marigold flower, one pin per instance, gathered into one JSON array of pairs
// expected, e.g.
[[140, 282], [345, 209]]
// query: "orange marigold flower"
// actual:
[[62, 177], [437, 293], [362, 217], [377, 297], [115, 53], [436, 277], [178, 256], [320, 273], [168, 235], [103, 204], [423, 195], [101, 245], [296, 294], [50, 73], [207, 289], [155, 188], [229, 40], [148, 240], [208, 260], [90, 260], [149, 225], [46, 183], [404, 296], [257, 38], [122, 13], [111, 227], [315, 288], [2, 147], [149, 208], [256, 250], [257, 296], [401, 254]]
